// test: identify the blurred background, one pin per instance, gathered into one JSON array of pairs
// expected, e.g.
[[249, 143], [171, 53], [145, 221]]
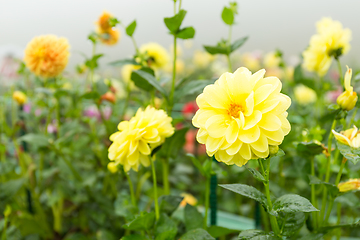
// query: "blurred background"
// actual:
[[283, 24]]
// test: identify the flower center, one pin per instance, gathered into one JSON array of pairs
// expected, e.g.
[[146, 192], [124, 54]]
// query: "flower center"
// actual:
[[234, 110]]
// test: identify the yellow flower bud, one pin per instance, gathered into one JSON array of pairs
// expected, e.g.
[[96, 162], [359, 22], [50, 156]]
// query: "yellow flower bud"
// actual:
[[188, 199], [273, 149], [352, 184], [348, 98], [19, 97], [304, 95], [112, 167]]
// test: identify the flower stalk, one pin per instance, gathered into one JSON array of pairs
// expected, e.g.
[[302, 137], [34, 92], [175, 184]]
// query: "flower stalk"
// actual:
[[157, 211]]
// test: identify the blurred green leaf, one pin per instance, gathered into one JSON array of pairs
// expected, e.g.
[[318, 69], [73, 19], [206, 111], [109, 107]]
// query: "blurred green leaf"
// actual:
[[192, 88], [217, 50], [9, 189], [197, 234], [217, 231], [93, 62], [186, 33], [197, 163], [147, 81], [256, 174], [165, 228], [131, 28], [123, 207], [347, 225], [227, 16], [124, 62], [332, 188], [257, 235], [292, 223], [174, 23], [291, 203], [145, 221], [352, 154], [312, 236], [36, 140], [308, 149], [103, 234], [91, 95], [168, 203], [238, 43], [135, 237], [174, 144], [193, 218]]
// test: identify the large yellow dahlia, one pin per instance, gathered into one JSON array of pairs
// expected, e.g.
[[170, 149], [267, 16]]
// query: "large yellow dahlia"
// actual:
[[156, 55], [136, 138], [240, 115], [47, 55]]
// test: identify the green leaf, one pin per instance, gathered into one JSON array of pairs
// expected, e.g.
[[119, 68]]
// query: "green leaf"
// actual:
[[217, 231], [147, 81], [91, 95], [197, 234], [61, 93], [313, 236], [197, 163], [193, 219], [347, 225], [186, 33], [217, 50], [247, 191], [131, 28], [124, 62], [174, 144], [332, 188], [291, 203], [227, 16], [165, 228], [174, 23], [238, 43], [256, 174], [37, 140], [352, 154], [192, 88], [293, 222], [144, 221], [135, 237], [168, 203], [257, 235], [93, 62], [308, 149], [105, 234], [10, 188]]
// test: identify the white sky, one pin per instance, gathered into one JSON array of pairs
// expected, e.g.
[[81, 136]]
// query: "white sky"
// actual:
[[284, 24]]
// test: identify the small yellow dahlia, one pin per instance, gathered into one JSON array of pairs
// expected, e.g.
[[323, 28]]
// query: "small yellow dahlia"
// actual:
[[47, 55], [350, 137], [240, 115], [347, 100], [19, 97], [272, 60], [109, 37], [304, 95], [331, 41], [136, 138], [251, 61], [156, 56], [352, 184], [202, 59], [188, 199]]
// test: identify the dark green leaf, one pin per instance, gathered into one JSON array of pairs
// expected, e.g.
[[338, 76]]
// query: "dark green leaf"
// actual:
[[192, 88], [105, 234], [131, 28], [197, 163], [332, 188], [352, 154], [91, 95], [61, 92], [207, 166], [347, 225], [308, 149], [227, 16], [238, 43], [313, 236], [217, 50], [217, 231], [144, 221], [186, 33], [168, 203], [10, 188], [124, 62], [257, 235], [135, 237], [165, 228], [293, 222], [174, 144], [256, 174], [37, 140], [123, 207], [174, 23], [101, 87], [147, 81], [247, 191], [197, 234], [291, 203], [193, 219], [93, 62]]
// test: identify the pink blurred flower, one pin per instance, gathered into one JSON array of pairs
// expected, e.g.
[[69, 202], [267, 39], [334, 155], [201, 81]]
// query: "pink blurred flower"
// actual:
[[51, 128], [93, 112], [27, 108], [190, 109], [333, 95], [38, 112], [334, 75], [190, 144]]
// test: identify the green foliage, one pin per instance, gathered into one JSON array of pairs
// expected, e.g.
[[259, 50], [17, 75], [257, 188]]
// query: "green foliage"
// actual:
[[309, 149], [352, 154], [144, 221], [217, 231], [191, 89], [193, 218], [227, 16], [332, 188], [173, 24], [92, 63], [197, 234], [124, 62], [291, 222], [292, 203], [145, 80], [257, 235], [165, 228], [256, 174], [130, 29], [173, 145], [168, 203]]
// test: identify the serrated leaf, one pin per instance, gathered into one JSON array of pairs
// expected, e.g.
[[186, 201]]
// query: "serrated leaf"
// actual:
[[124, 62], [238, 43], [227, 16], [197, 234], [291, 222], [256, 174], [186, 33], [257, 235], [144, 221], [147, 81], [352, 154], [169, 203], [217, 50], [165, 228], [332, 188], [247, 191], [174, 23], [291, 203], [131, 28], [192, 217]]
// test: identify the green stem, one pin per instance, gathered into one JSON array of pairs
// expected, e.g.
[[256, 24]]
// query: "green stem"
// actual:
[[340, 72], [165, 168], [207, 201], [313, 196], [338, 177], [157, 212], [135, 45], [352, 118], [229, 62], [329, 210], [68, 163], [338, 209], [173, 79], [4, 237], [273, 221], [132, 193], [180, 5]]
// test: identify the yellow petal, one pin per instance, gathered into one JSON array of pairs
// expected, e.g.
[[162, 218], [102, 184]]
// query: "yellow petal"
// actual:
[[249, 136], [144, 148], [232, 132], [270, 122], [234, 148], [249, 107], [216, 126], [213, 144], [261, 145], [341, 138], [245, 151], [252, 120]]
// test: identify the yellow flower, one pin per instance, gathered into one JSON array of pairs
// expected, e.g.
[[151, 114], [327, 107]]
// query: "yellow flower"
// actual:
[[352, 184], [272, 60], [136, 138], [47, 55], [156, 55], [112, 167], [350, 137], [188, 199], [19, 97], [348, 98], [240, 115], [331, 41], [109, 37], [202, 59], [104, 22], [180, 66], [126, 72], [304, 95], [250, 61]]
